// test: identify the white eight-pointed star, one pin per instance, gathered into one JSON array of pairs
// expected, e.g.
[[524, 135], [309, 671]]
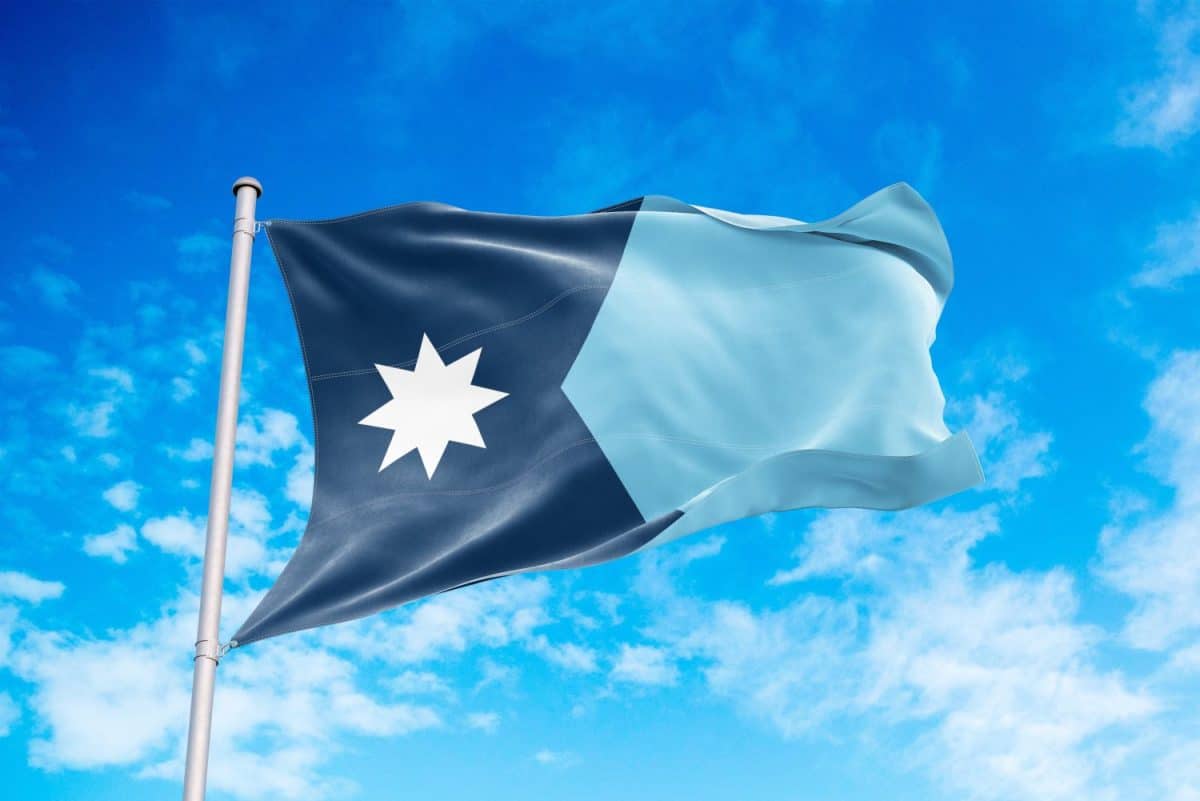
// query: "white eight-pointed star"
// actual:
[[432, 405]]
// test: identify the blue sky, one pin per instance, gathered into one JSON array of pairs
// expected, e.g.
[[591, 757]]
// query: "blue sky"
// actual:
[[1037, 638]]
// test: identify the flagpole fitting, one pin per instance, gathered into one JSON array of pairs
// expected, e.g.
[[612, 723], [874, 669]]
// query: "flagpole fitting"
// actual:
[[246, 180], [243, 226], [208, 649], [246, 225]]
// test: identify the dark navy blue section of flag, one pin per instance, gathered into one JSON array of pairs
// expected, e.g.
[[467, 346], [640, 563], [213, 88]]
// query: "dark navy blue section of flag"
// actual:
[[366, 290]]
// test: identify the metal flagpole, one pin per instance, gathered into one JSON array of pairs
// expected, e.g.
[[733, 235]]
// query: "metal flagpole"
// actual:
[[208, 651]]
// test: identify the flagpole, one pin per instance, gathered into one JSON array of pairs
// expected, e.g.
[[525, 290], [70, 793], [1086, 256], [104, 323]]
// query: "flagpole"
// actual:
[[208, 650]]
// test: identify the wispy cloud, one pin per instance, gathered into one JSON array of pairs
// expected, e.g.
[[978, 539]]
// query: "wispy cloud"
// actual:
[[282, 702], [115, 545], [299, 695], [20, 361], [496, 614], [911, 151], [989, 664], [118, 377], [552, 758], [24, 587], [300, 476], [123, 496], [146, 201], [56, 290], [484, 721], [569, 656], [183, 535], [1175, 255], [419, 682], [644, 664], [96, 400], [201, 252], [1010, 451], [1010, 455], [1153, 556], [260, 437], [1164, 109], [10, 713], [197, 450]]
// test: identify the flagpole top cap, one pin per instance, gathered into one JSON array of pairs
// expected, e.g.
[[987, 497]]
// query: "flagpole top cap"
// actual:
[[247, 181]]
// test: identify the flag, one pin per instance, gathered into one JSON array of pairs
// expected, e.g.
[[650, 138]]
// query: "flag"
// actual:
[[496, 394]]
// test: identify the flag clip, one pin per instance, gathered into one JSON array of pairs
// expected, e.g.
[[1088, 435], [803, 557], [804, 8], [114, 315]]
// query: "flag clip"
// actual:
[[209, 649], [244, 226]]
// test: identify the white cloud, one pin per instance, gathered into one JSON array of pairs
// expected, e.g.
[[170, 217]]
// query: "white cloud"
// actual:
[[286, 772], [1165, 110], [1178, 771], [178, 534], [1176, 254], [787, 668], [151, 314], [111, 386], [145, 201], [183, 535], [198, 450], [8, 620], [494, 673], [20, 361], [24, 587], [608, 604], [299, 487], [1185, 661], [115, 545], [865, 546], [1153, 557], [123, 496], [568, 656], [418, 682], [484, 721], [119, 377], [990, 667], [200, 252], [79, 682], [10, 713], [195, 353], [57, 291], [280, 712], [92, 421], [561, 759], [181, 389], [260, 437], [644, 664], [1009, 455], [249, 512], [998, 660], [493, 614], [910, 149]]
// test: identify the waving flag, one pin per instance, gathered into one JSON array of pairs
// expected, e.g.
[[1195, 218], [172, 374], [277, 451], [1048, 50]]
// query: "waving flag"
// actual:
[[494, 394]]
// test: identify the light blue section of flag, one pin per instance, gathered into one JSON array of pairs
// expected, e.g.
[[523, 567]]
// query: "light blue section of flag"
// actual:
[[743, 364]]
